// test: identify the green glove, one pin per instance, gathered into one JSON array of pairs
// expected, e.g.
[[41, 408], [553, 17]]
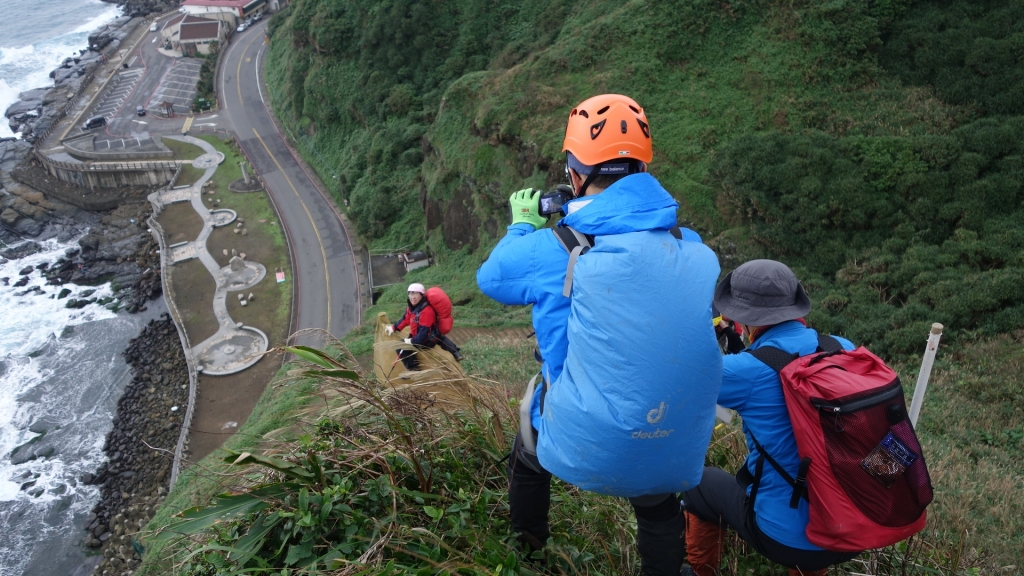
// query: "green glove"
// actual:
[[526, 208]]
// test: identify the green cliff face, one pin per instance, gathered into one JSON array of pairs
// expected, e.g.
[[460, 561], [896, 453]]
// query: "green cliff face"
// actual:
[[873, 145]]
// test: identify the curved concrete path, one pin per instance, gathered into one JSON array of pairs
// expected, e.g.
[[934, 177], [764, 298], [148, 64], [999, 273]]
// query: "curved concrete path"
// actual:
[[234, 347]]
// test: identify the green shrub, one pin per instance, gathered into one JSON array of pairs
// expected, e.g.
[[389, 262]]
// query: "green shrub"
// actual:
[[971, 52], [901, 231]]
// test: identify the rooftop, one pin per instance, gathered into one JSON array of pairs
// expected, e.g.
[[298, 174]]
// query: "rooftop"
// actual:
[[194, 28], [174, 20]]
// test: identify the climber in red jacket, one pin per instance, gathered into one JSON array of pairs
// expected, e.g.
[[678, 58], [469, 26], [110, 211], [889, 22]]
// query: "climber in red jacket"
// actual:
[[420, 318]]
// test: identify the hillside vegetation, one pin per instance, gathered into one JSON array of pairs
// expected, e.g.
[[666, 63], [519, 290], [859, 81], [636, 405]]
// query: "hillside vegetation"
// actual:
[[873, 145]]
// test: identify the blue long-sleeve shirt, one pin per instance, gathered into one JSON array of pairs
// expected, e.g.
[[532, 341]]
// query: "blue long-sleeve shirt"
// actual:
[[754, 390]]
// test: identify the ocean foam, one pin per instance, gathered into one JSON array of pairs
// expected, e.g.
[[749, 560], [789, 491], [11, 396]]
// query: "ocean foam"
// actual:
[[37, 317], [27, 67], [62, 370]]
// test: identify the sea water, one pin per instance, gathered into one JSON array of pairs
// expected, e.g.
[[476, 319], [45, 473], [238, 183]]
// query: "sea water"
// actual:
[[36, 36], [61, 372], [61, 369]]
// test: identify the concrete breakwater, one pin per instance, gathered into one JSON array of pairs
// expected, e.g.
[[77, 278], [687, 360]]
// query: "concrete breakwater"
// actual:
[[140, 446]]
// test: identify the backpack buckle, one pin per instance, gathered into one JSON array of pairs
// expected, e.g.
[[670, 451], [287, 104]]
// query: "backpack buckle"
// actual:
[[800, 484]]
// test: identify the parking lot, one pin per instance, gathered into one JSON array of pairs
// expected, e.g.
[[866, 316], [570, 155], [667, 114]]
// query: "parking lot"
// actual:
[[121, 88], [178, 86], [118, 143]]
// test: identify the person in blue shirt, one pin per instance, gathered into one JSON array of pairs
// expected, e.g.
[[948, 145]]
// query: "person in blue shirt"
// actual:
[[607, 147], [765, 298]]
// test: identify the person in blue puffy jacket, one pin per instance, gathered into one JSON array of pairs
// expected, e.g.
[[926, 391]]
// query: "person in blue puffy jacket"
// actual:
[[765, 297], [607, 147]]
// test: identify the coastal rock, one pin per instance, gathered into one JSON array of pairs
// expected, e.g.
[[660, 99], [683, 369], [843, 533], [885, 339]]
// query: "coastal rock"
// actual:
[[12, 152], [62, 74], [23, 106], [34, 94], [9, 217], [28, 227], [133, 476], [22, 250]]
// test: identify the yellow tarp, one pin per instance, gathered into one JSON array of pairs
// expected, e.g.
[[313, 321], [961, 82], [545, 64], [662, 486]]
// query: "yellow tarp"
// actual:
[[438, 369]]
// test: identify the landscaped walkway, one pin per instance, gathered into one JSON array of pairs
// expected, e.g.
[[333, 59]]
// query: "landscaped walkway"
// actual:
[[234, 347]]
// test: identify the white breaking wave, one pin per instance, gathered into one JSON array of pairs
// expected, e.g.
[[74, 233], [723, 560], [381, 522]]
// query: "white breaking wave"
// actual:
[[61, 370], [33, 321], [28, 66]]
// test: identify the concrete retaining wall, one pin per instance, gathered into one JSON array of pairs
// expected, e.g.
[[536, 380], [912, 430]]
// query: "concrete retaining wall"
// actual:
[[193, 376], [94, 175]]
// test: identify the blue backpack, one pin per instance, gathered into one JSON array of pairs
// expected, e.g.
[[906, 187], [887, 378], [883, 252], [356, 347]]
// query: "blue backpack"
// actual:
[[633, 410]]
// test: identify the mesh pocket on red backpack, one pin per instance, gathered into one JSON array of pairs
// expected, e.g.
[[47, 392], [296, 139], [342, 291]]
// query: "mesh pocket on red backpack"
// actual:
[[875, 456]]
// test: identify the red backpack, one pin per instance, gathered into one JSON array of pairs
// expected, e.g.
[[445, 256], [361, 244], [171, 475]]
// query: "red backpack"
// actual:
[[861, 467], [442, 306]]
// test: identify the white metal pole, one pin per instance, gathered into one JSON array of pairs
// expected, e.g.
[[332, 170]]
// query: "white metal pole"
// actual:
[[926, 372]]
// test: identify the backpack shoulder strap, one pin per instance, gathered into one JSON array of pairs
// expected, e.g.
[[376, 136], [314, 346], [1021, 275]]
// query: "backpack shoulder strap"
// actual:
[[775, 358], [799, 483], [827, 343], [575, 243], [570, 238]]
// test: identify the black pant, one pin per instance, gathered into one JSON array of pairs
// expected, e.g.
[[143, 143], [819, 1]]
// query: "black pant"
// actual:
[[408, 357], [660, 524], [719, 498], [447, 345]]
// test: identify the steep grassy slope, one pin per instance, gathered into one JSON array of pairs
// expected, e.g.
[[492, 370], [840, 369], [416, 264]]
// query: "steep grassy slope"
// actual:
[[872, 144], [857, 140]]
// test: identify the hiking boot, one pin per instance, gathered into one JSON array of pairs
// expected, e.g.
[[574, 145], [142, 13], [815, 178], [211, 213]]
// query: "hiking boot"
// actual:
[[458, 356]]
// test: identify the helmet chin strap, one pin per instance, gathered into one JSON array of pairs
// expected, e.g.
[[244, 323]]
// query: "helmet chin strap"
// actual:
[[586, 182]]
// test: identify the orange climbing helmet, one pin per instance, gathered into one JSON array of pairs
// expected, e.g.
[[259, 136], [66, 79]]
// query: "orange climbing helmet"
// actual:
[[606, 128]]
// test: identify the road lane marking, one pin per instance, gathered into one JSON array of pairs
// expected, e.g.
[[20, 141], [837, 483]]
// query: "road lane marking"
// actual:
[[188, 124], [238, 72], [327, 274], [258, 87]]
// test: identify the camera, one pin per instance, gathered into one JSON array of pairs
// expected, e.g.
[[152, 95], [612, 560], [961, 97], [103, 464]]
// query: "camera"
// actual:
[[552, 202]]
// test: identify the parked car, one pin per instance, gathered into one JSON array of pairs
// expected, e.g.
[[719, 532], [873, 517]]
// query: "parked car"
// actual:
[[257, 16], [94, 122], [140, 110], [154, 27], [241, 27]]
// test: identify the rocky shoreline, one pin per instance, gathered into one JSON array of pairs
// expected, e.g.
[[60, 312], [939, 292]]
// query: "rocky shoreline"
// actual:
[[39, 109], [113, 246], [140, 446]]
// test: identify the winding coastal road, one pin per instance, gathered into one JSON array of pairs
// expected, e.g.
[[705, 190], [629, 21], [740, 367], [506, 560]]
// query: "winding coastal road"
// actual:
[[324, 267], [326, 279]]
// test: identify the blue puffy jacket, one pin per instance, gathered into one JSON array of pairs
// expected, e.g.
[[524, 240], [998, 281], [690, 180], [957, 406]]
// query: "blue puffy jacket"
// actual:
[[753, 389], [650, 366]]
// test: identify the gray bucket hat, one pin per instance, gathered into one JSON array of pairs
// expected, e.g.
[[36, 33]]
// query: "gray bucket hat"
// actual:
[[762, 293]]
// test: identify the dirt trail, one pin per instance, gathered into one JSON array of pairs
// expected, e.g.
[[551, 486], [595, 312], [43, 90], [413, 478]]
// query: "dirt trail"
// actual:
[[461, 334]]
